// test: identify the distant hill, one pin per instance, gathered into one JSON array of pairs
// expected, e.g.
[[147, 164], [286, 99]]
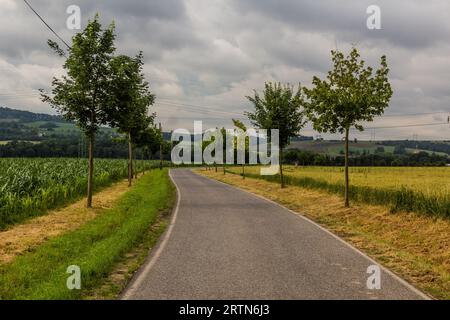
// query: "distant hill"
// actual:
[[29, 134], [18, 125], [7, 114], [336, 148], [26, 126]]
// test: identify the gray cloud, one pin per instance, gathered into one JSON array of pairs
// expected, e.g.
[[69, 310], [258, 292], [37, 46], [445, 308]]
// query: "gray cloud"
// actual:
[[405, 22], [203, 56]]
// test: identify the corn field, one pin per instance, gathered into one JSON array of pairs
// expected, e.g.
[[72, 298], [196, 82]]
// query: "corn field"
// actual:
[[421, 190], [28, 187]]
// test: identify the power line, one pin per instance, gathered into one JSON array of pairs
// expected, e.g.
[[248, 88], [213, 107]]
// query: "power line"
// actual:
[[192, 108], [189, 108], [413, 114], [409, 125], [51, 29], [175, 103], [197, 118], [185, 109], [172, 102], [206, 110], [368, 128], [203, 108]]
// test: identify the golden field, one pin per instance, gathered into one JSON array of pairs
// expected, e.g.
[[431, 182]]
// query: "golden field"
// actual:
[[428, 180], [421, 189]]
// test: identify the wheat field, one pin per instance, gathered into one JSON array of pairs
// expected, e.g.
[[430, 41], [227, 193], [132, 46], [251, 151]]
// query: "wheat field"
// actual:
[[421, 189]]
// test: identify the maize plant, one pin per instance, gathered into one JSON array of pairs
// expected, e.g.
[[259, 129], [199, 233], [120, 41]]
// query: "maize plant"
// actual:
[[30, 186]]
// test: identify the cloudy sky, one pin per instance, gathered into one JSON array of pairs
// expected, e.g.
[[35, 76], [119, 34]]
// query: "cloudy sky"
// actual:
[[204, 56]]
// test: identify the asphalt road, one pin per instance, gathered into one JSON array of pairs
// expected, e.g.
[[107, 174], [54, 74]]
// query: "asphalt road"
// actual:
[[225, 243]]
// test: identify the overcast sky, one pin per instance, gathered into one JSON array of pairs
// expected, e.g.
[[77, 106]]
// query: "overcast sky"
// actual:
[[204, 56]]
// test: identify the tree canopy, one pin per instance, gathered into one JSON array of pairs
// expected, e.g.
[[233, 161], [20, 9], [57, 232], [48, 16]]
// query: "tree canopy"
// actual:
[[280, 108], [350, 94], [83, 93], [130, 96]]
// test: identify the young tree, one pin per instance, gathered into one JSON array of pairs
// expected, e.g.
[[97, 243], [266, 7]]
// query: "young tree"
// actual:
[[129, 101], [350, 95], [223, 131], [206, 143], [148, 138], [279, 108], [238, 124], [155, 146], [161, 152], [82, 94], [166, 148]]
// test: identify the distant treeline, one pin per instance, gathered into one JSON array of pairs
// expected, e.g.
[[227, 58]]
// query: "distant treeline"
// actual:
[[72, 147], [106, 147], [27, 116], [16, 130], [385, 159], [435, 146]]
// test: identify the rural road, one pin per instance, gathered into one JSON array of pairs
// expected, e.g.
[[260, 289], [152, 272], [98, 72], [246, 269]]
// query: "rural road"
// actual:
[[225, 243]]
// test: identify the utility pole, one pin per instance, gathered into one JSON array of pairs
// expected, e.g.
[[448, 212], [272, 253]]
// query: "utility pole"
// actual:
[[372, 136], [215, 163], [161, 148], [79, 147], [223, 132]]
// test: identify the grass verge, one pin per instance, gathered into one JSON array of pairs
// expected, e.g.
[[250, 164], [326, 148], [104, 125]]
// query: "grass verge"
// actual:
[[97, 247], [414, 246], [22, 237]]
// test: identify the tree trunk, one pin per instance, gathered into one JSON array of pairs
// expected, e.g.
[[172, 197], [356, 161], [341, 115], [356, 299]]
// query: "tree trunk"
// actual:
[[160, 158], [142, 161], [280, 157], [346, 168], [161, 148], [130, 165], [215, 166], [135, 166], [243, 171], [90, 171]]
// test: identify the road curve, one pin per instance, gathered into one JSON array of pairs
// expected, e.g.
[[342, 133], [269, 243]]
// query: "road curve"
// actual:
[[225, 243]]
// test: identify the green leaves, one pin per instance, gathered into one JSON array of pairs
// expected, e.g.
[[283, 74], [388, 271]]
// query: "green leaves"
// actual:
[[279, 108], [81, 95], [52, 44], [150, 138], [350, 94], [130, 96], [100, 88]]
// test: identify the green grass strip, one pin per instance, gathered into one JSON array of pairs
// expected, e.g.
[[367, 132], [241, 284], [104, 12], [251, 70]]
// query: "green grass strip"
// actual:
[[95, 247]]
